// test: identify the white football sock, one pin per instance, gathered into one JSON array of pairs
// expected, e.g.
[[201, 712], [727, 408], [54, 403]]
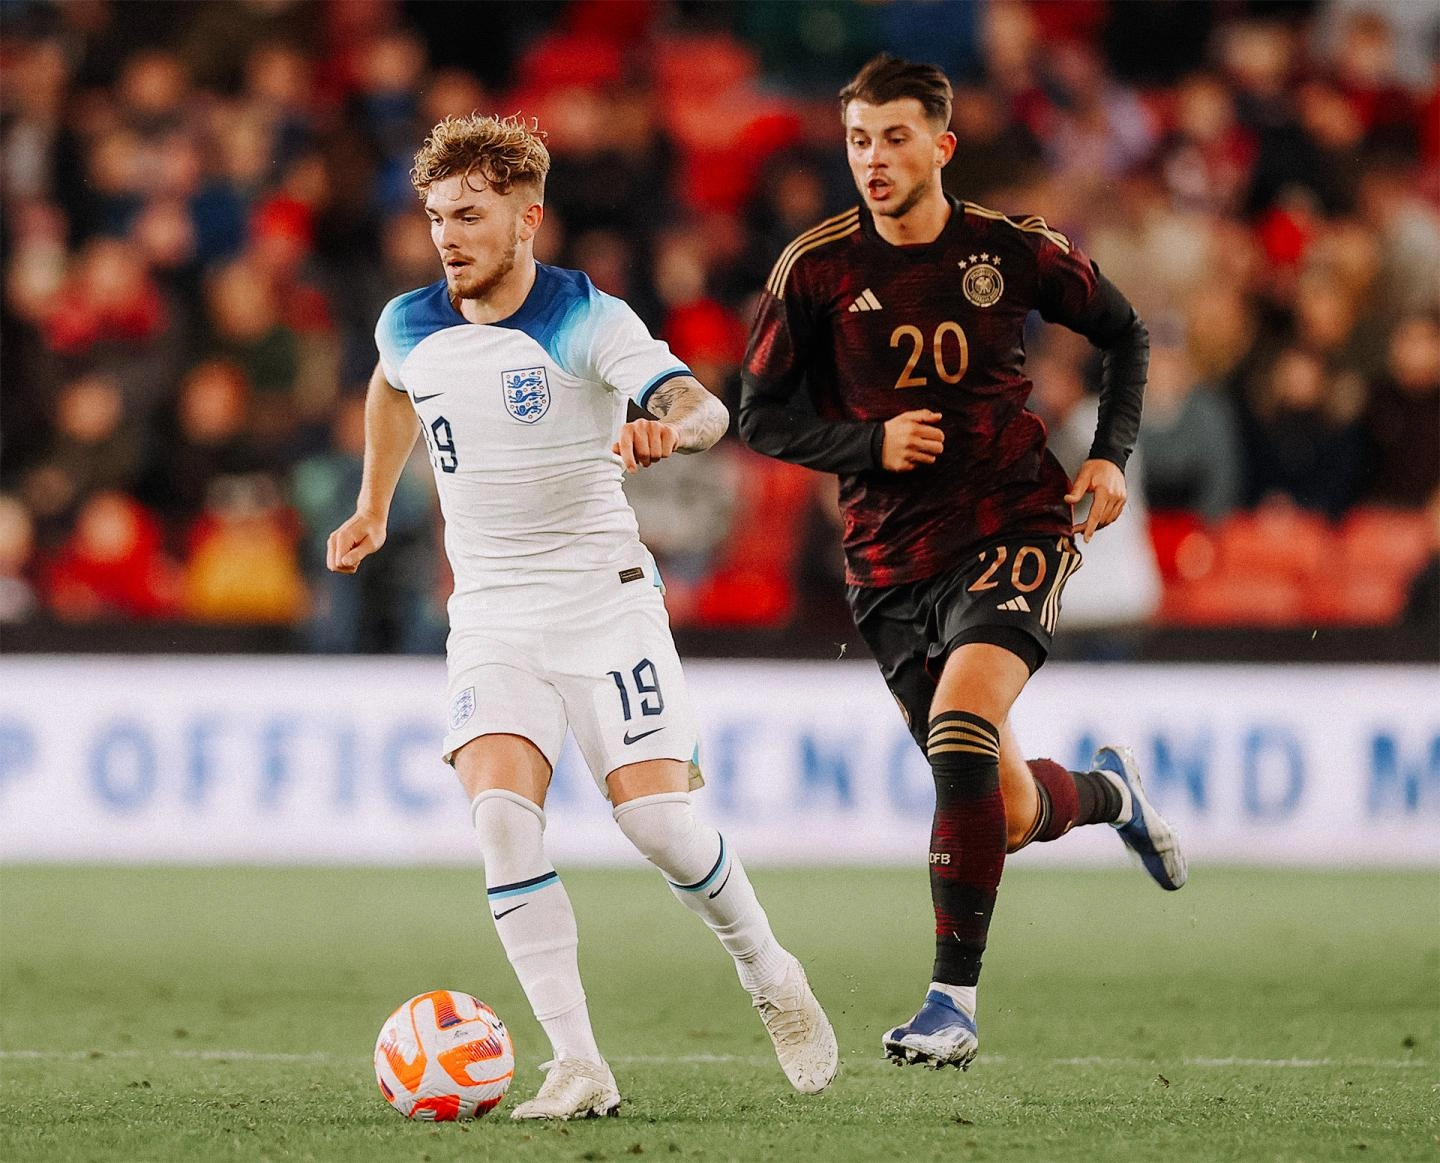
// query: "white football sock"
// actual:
[[962, 995], [709, 879], [534, 919]]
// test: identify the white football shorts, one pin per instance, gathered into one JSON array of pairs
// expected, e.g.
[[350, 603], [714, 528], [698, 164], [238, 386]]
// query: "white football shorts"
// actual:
[[602, 664]]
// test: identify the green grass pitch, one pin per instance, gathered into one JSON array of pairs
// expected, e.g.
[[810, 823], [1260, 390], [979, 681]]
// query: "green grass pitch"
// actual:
[[215, 1014]]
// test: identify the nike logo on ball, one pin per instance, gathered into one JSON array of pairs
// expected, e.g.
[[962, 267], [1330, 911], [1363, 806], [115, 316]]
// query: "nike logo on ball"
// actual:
[[629, 738]]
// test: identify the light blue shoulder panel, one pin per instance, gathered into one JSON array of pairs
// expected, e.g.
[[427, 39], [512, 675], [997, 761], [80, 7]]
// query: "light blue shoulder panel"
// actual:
[[409, 318]]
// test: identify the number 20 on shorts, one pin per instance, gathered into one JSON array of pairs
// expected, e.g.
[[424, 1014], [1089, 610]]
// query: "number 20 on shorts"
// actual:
[[1028, 559]]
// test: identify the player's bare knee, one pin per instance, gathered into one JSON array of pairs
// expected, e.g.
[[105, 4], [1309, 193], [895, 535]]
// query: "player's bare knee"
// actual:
[[503, 762], [1022, 810]]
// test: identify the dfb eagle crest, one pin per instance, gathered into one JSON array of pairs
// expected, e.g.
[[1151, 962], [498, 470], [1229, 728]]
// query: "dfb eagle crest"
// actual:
[[982, 283]]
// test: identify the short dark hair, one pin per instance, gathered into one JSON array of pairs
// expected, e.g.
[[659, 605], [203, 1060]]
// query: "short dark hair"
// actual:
[[885, 78]]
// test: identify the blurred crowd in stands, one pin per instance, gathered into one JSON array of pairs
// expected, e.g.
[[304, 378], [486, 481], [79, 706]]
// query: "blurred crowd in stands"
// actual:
[[205, 205]]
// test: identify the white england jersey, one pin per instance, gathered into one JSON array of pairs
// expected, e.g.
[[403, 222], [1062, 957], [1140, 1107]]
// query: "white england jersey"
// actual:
[[519, 416]]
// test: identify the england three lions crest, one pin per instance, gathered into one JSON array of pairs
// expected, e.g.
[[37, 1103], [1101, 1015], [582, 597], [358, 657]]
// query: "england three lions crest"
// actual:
[[982, 283], [462, 706], [527, 393]]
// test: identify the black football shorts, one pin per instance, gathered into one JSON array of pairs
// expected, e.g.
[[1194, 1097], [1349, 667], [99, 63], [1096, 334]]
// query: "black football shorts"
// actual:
[[1006, 594]]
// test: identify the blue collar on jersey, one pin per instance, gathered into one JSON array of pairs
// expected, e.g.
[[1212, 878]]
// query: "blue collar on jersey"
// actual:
[[555, 296]]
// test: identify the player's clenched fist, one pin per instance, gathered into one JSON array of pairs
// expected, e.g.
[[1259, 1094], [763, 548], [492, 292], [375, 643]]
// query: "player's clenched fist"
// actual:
[[911, 439], [643, 442], [354, 541]]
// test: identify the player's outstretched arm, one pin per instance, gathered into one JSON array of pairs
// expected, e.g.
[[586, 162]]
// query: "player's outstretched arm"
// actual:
[[699, 418], [390, 432], [687, 418]]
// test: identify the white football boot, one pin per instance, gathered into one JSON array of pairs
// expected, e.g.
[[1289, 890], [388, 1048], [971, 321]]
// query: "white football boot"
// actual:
[[573, 1089], [1141, 826], [804, 1040]]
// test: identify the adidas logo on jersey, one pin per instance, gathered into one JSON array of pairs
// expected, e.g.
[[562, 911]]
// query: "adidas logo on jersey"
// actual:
[[1017, 605], [865, 301]]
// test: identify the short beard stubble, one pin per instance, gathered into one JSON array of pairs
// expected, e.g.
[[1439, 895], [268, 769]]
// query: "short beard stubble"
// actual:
[[485, 285], [904, 208]]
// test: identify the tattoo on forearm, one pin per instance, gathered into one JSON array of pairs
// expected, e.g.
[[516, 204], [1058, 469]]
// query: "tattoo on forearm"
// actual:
[[700, 417]]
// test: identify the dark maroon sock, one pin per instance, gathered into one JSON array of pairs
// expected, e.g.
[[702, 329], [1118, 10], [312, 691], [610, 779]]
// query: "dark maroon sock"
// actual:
[[1069, 799], [967, 841]]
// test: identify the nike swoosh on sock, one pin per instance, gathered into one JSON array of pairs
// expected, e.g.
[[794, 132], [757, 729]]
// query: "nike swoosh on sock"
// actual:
[[723, 883]]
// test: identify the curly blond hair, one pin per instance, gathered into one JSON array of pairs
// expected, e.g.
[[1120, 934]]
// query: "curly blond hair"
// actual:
[[502, 152]]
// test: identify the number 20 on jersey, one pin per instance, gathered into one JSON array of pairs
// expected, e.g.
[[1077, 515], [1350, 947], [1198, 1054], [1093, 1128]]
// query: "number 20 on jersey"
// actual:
[[947, 344]]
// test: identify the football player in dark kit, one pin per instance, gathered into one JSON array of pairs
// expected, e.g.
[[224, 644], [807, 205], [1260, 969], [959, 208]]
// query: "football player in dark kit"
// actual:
[[888, 348]]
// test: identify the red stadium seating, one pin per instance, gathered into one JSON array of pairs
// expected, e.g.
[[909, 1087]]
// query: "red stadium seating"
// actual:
[[1388, 540], [1236, 599], [1279, 566], [1378, 552], [1276, 541], [752, 585], [1254, 569], [1184, 547]]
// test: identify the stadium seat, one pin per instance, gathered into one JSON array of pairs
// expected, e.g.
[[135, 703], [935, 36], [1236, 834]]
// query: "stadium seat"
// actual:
[[1235, 600], [723, 123], [1184, 548], [1258, 568], [703, 64], [560, 60], [1388, 540], [753, 584], [1379, 551], [1276, 541], [1356, 598], [627, 22]]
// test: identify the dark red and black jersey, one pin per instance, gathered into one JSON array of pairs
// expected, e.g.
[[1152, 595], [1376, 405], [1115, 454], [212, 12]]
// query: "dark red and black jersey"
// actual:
[[870, 330]]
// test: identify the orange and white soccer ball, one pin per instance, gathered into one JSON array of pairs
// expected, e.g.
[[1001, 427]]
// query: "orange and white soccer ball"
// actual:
[[444, 1055]]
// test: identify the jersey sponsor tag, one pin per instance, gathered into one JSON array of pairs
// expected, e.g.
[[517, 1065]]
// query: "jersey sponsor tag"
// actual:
[[527, 393], [634, 573]]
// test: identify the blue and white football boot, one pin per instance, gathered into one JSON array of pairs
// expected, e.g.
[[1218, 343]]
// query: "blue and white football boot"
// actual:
[[1141, 825], [941, 1034]]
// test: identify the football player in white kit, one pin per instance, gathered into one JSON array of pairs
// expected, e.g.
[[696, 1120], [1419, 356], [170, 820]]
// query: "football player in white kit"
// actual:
[[519, 374]]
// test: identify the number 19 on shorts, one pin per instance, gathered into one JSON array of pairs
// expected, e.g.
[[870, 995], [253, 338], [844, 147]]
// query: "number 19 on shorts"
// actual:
[[645, 683]]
